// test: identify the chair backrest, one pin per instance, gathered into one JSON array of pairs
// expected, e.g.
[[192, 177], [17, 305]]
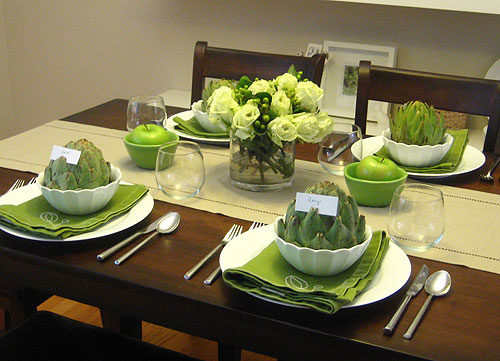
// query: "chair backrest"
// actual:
[[210, 62], [446, 92]]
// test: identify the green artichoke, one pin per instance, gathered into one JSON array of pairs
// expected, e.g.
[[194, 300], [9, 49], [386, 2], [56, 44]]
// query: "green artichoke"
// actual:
[[416, 123], [317, 231], [92, 170]]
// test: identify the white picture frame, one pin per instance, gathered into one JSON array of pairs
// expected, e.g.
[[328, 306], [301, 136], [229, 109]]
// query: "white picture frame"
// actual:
[[340, 100]]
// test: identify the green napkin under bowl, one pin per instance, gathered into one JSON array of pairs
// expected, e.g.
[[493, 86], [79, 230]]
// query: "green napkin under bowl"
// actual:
[[38, 216], [192, 127], [271, 276], [450, 161]]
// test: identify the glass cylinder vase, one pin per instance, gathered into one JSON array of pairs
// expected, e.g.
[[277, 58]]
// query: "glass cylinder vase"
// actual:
[[259, 164]]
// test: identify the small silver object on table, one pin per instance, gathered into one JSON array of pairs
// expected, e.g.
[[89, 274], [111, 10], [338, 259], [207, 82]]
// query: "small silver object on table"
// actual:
[[414, 289]]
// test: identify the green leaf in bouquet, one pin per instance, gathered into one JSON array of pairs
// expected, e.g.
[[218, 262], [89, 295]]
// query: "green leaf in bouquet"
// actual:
[[244, 82], [292, 70]]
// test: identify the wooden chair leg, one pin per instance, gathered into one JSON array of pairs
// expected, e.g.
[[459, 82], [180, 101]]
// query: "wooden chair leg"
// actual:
[[121, 324], [19, 304], [228, 353]]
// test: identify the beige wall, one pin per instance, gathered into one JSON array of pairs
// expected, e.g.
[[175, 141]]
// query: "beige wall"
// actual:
[[62, 56]]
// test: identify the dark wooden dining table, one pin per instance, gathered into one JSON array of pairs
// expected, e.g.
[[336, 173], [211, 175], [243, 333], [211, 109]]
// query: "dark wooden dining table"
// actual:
[[463, 325]]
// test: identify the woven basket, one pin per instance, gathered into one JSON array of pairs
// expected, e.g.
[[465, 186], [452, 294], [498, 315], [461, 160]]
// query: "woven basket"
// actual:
[[452, 120]]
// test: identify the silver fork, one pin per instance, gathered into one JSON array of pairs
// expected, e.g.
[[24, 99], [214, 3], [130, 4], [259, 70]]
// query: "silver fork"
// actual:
[[17, 184], [233, 231], [488, 177], [218, 271]]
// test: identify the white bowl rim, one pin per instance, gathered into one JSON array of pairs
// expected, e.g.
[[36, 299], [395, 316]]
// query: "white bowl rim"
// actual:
[[116, 176], [448, 138], [368, 235]]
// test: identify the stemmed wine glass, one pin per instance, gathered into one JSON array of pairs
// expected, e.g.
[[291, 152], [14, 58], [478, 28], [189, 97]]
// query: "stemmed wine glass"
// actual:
[[335, 150], [180, 170], [145, 109], [416, 217]]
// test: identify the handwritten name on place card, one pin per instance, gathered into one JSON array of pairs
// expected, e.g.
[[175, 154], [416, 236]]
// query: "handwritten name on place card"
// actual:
[[72, 156], [326, 205]]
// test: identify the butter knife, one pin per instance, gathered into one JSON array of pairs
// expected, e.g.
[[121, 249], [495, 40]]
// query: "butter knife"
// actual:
[[414, 289], [150, 228]]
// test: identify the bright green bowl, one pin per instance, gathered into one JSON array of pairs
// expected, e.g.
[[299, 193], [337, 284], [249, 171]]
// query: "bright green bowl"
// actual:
[[145, 155], [372, 193]]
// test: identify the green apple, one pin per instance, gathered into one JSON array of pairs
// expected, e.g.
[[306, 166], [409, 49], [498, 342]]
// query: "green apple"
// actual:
[[149, 134], [377, 168]]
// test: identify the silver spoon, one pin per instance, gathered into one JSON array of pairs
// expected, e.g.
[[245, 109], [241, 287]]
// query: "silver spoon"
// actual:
[[167, 224], [437, 284]]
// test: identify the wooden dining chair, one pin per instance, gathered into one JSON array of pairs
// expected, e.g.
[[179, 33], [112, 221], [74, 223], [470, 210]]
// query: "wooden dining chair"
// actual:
[[220, 63], [446, 92]]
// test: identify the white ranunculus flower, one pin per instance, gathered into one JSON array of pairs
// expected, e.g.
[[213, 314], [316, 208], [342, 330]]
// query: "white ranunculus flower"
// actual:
[[325, 124], [282, 130], [281, 104], [221, 105], [286, 81], [260, 86], [309, 95], [243, 120], [307, 126]]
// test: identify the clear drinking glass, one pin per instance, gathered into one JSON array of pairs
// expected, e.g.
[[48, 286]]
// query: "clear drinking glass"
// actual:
[[335, 150], [416, 217], [145, 109], [180, 170]]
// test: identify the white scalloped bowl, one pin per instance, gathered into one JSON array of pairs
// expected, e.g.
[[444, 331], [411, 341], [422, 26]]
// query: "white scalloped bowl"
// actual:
[[321, 262], [203, 120], [416, 155], [84, 201]]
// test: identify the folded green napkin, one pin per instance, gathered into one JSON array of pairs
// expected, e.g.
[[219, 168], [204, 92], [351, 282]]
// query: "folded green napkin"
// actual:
[[450, 161], [192, 127], [38, 216], [271, 276]]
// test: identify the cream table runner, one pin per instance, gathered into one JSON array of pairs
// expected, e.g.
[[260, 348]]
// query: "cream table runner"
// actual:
[[472, 235]]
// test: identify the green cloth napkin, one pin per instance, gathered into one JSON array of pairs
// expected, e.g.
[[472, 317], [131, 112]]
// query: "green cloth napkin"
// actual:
[[271, 276], [192, 127], [38, 216], [450, 161]]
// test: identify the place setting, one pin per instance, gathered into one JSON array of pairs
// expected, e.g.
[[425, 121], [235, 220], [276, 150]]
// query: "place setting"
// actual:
[[59, 207], [205, 122], [410, 147]]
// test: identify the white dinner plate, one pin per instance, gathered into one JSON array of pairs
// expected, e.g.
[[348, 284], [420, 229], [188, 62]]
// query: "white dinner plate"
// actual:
[[136, 214], [494, 72], [471, 160], [169, 124], [390, 277]]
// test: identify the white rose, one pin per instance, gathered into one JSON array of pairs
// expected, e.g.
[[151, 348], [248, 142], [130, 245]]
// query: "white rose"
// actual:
[[325, 124], [309, 95], [307, 127], [286, 81], [281, 104], [243, 120], [221, 105], [260, 86], [282, 130]]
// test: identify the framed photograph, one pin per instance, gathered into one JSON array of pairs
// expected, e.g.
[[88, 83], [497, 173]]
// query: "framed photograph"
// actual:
[[340, 78]]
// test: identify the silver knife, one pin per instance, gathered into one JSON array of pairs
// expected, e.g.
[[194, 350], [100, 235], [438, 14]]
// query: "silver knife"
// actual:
[[151, 227], [415, 288]]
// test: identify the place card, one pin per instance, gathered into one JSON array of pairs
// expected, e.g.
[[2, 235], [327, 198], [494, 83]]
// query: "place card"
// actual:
[[326, 205], [72, 156]]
